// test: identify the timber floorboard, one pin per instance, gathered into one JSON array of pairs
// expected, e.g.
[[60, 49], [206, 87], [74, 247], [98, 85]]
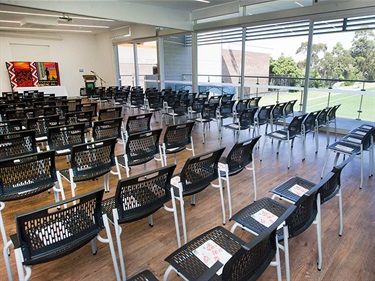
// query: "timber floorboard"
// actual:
[[350, 257]]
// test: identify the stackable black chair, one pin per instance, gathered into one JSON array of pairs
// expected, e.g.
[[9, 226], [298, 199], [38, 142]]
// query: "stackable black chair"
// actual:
[[292, 190], [198, 173], [238, 260], [72, 104], [90, 161], [10, 126], [17, 143], [24, 176], [322, 121], [353, 143], [208, 114], [244, 121], [277, 114], [289, 110], [41, 125], [138, 124], [311, 125], [177, 138], [294, 129], [60, 110], [254, 102], [141, 148], [80, 117], [225, 110], [139, 197], [62, 138], [258, 216], [177, 111], [331, 118], [110, 113], [90, 106], [239, 107], [263, 117], [107, 128], [57, 230], [239, 158]]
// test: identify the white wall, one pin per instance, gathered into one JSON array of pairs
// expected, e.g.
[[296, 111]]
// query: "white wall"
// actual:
[[72, 51]]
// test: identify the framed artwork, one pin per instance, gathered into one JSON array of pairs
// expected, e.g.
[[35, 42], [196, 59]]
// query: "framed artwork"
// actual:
[[33, 74]]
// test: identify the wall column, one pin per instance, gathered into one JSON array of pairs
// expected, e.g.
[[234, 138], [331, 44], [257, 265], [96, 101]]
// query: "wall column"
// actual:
[[161, 71], [194, 57]]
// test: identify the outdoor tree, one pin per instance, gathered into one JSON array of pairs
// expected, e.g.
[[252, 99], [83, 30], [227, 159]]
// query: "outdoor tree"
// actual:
[[363, 52], [285, 66], [317, 51]]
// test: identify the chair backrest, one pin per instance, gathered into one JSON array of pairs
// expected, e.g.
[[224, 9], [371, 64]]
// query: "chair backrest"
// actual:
[[41, 124], [226, 97], [332, 113], [27, 175], [310, 120], [200, 170], [22, 113], [9, 126], [289, 108], [141, 147], [92, 106], [64, 137], [178, 136], [253, 258], [247, 117], [254, 102], [79, 117], [60, 110], [209, 110], [331, 184], [198, 104], [138, 123], [139, 196], [278, 110], [72, 104], [54, 231], [264, 114], [226, 107], [110, 113], [241, 155], [322, 117], [241, 105], [17, 143], [107, 128], [94, 158], [214, 99], [295, 126]]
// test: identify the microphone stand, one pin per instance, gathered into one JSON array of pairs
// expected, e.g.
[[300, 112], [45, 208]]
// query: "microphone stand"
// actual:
[[101, 80]]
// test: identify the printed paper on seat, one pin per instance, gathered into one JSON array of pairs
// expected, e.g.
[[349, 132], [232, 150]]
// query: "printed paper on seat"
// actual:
[[298, 190], [344, 148], [210, 252], [264, 217]]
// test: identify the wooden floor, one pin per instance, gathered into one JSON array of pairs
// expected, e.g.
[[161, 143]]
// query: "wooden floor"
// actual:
[[350, 257]]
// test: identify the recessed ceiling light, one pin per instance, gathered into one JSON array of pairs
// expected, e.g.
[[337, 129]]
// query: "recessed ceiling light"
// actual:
[[204, 1], [44, 29], [82, 25]]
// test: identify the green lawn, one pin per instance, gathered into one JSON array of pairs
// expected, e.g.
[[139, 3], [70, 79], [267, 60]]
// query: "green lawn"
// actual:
[[350, 103]]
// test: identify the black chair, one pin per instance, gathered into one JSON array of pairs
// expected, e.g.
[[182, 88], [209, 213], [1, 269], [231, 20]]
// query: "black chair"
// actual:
[[195, 109], [225, 110], [289, 110], [19, 179], [208, 114], [294, 129], [322, 121], [239, 107], [178, 111], [310, 124], [198, 173], [246, 121], [258, 216], [17, 143], [57, 230], [41, 125], [139, 197], [107, 128], [177, 138], [238, 260], [110, 113], [90, 161], [263, 117], [353, 144], [331, 118], [239, 158], [80, 117], [10, 126], [140, 148], [140, 123], [293, 189], [60, 110], [277, 114], [72, 104], [62, 138], [89, 106]]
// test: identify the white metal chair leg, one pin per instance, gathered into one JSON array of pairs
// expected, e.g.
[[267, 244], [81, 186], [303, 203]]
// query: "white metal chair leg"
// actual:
[[340, 210], [361, 156], [318, 222], [118, 231], [325, 164], [286, 252], [174, 210], [6, 254]]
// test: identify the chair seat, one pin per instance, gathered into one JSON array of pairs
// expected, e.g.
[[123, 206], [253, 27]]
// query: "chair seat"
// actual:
[[144, 276], [92, 175], [247, 215], [189, 265], [292, 189], [11, 194], [134, 162], [345, 147], [279, 134]]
